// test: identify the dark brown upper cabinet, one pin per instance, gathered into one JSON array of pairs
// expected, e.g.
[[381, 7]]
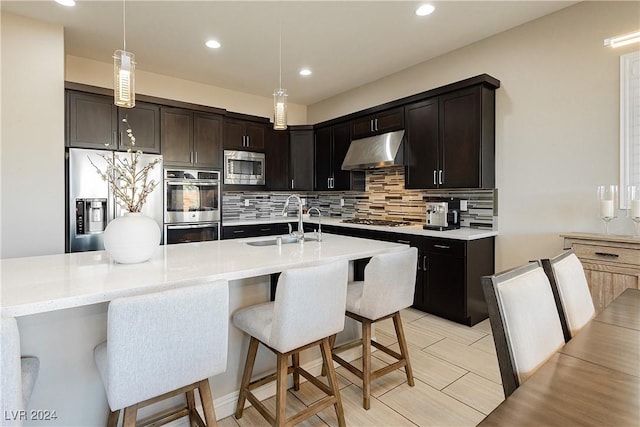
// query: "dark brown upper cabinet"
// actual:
[[277, 160], [421, 144], [244, 135], [301, 144], [331, 146], [374, 124], [450, 140], [191, 138], [144, 120], [93, 121]]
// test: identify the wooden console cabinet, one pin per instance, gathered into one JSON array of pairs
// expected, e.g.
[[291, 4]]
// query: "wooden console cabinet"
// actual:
[[611, 263]]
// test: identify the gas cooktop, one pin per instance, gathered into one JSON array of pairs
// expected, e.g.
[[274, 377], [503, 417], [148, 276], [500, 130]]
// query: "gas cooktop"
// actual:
[[382, 222]]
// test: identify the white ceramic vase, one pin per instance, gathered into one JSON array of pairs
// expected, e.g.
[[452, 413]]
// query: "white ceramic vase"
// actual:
[[131, 238]]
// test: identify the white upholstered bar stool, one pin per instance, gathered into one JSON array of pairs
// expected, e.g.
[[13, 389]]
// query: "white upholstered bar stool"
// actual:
[[524, 321], [164, 344], [571, 292], [18, 374], [308, 309], [388, 287]]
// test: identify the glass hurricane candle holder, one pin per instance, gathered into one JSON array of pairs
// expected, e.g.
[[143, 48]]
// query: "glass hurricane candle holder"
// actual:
[[634, 206], [607, 200]]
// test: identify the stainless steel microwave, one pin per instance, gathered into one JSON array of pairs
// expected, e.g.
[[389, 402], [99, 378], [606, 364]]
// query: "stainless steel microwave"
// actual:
[[244, 167]]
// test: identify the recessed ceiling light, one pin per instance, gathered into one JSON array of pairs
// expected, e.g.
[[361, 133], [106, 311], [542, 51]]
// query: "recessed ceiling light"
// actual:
[[213, 44], [305, 72], [425, 9], [66, 2]]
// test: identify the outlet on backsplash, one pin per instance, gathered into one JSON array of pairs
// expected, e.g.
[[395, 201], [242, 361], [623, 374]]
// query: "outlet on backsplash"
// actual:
[[246, 202]]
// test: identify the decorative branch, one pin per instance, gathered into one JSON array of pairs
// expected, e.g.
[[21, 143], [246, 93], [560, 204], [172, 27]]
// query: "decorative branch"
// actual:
[[130, 186]]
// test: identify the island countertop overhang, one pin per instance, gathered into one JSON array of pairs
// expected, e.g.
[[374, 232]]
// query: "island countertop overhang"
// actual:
[[42, 284]]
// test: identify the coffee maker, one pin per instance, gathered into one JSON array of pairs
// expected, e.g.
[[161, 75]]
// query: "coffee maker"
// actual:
[[443, 213]]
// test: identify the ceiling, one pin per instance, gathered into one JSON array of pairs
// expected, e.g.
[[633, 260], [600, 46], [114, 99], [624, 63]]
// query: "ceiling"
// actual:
[[345, 43]]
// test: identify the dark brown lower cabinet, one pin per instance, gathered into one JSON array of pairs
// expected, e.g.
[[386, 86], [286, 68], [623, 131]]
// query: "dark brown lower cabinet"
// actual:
[[255, 230], [448, 272]]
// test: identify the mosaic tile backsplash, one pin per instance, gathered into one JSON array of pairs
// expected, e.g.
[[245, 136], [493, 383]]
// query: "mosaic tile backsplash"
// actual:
[[385, 198]]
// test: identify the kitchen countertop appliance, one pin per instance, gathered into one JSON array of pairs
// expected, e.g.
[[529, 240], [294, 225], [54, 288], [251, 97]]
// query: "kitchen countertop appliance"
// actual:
[[443, 213], [90, 202]]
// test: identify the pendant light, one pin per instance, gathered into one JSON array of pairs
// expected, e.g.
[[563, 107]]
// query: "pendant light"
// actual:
[[280, 97], [124, 64]]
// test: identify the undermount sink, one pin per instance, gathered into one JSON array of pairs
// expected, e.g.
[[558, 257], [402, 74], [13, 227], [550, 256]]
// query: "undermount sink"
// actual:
[[274, 241]]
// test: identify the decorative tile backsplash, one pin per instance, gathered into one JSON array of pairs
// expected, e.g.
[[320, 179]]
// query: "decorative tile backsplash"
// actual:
[[385, 198]]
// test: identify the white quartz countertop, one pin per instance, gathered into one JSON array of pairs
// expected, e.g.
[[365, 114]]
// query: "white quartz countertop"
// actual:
[[47, 283], [464, 233]]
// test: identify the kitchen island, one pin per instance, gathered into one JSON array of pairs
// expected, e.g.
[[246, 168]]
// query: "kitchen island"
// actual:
[[61, 303]]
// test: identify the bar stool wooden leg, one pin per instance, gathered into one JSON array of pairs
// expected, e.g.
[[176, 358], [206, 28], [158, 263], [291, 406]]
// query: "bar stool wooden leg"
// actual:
[[246, 376], [130, 416], [281, 390], [332, 342], [332, 378], [191, 406], [207, 403], [402, 342], [112, 421], [295, 361], [366, 364]]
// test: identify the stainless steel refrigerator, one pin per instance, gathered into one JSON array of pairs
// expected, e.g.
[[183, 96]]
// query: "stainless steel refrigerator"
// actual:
[[90, 203]]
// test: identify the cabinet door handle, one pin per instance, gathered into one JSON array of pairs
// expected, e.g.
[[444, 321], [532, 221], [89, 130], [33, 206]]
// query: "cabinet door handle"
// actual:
[[292, 186], [406, 242], [371, 125], [196, 157], [607, 254], [248, 141], [333, 183], [424, 263], [440, 177], [114, 138], [191, 157], [376, 122], [238, 231], [442, 246], [265, 229], [434, 177]]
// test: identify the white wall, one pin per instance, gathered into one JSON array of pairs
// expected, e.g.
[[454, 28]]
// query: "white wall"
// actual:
[[32, 138], [557, 119], [95, 73]]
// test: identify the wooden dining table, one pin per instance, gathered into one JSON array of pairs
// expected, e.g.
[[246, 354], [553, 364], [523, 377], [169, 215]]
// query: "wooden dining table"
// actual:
[[594, 380]]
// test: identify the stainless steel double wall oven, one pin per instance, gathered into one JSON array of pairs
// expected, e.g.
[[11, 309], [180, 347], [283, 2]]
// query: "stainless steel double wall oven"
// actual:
[[192, 205]]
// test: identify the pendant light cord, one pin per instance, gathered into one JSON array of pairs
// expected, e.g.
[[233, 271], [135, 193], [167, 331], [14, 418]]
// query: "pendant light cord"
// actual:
[[124, 25], [280, 51]]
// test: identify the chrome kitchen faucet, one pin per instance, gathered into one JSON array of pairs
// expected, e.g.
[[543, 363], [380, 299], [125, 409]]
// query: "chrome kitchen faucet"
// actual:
[[299, 235]]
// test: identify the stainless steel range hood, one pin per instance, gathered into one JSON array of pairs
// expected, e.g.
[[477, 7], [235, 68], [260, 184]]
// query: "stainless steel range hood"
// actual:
[[374, 152]]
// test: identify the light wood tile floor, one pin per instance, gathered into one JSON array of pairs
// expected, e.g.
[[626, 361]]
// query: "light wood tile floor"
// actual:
[[456, 373]]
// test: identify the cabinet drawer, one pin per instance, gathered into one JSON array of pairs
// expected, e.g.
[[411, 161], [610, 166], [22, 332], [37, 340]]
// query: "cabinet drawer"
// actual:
[[610, 254], [445, 247]]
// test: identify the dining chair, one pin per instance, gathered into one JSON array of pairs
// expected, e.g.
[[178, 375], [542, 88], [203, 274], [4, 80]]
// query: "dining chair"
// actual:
[[19, 374], [164, 344], [388, 287], [308, 308], [524, 321], [571, 292]]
